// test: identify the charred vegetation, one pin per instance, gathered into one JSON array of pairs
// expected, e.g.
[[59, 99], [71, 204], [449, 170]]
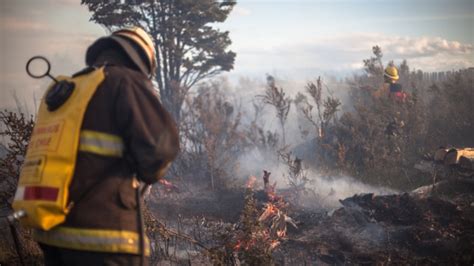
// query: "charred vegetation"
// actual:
[[208, 212]]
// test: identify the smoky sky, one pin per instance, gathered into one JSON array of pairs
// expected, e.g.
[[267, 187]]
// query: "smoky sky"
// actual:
[[295, 39]]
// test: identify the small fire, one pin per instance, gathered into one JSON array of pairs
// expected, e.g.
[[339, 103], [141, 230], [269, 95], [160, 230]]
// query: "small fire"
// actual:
[[168, 186], [281, 233], [271, 194], [270, 190], [273, 220], [274, 244], [245, 245], [238, 245], [251, 181], [165, 182], [270, 211]]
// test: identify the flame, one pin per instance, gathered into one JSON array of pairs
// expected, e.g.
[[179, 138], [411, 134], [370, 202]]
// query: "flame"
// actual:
[[281, 233], [271, 193], [272, 196], [169, 187], [274, 244], [165, 182], [238, 245], [270, 211], [273, 219], [246, 245], [251, 243], [251, 181]]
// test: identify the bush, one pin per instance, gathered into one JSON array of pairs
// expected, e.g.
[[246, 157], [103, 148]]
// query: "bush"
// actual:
[[450, 112], [17, 129], [381, 139], [211, 138]]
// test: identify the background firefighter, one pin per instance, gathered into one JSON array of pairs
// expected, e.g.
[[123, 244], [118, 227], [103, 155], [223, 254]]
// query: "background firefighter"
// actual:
[[391, 88], [125, 133]]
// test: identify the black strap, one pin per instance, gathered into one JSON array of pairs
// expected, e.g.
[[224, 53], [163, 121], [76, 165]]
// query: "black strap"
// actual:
[[141, 225]]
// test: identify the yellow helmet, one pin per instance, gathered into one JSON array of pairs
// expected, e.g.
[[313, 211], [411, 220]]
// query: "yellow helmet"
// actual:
[[391, 72], [136, 43]]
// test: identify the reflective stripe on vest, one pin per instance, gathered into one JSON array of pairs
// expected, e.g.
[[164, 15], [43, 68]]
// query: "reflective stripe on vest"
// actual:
[[101, 143], [100, 240]]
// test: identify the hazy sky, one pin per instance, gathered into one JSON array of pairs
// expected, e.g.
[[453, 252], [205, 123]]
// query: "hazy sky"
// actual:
[[293, 39]]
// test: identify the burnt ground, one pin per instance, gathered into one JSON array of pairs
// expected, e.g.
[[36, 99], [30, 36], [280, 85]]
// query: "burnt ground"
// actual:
[[398, 229], [224, 205], [425, 227], [429, 226]]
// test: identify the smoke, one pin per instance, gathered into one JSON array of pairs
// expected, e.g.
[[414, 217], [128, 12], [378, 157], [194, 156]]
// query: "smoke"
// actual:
[[329, 190], [247, 91], [321, 192]]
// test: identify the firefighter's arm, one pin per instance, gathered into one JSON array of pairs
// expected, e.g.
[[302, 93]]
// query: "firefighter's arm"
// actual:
[[149, 132]]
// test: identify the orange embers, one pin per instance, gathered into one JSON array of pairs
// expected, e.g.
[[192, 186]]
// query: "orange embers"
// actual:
[[272, 228], [274, 244], [271, 193], [251, 182], [262, 230], [168, 186], [270, 189], [245, 245], [276, 219], [238, 245], [269, 212]]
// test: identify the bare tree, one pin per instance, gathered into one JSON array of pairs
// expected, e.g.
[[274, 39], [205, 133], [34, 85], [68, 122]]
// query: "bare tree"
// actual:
[[17, 128], [277, 98], [211, 134], [326, 110]]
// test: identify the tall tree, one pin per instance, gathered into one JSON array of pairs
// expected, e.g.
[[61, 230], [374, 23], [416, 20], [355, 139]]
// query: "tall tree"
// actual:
[[188, 47]]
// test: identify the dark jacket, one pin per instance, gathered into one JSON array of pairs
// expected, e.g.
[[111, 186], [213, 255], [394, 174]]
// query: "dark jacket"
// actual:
[[126, 134], [124, 105]]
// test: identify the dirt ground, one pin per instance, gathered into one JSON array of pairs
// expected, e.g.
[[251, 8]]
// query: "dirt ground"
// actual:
[[431, 225]]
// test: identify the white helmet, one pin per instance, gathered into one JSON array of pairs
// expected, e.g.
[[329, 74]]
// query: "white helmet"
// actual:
[[136, 43]]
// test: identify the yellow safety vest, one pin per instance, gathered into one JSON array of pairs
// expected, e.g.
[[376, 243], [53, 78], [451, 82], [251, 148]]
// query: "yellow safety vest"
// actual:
[[48, 170], [51, 156]]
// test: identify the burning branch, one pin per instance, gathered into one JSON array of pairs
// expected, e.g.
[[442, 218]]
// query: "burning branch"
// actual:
[[266, 179], [261, 231], [168, 186]]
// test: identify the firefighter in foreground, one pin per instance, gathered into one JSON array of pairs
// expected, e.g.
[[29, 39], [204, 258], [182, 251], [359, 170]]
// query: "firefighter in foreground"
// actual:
[[124, 136]]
